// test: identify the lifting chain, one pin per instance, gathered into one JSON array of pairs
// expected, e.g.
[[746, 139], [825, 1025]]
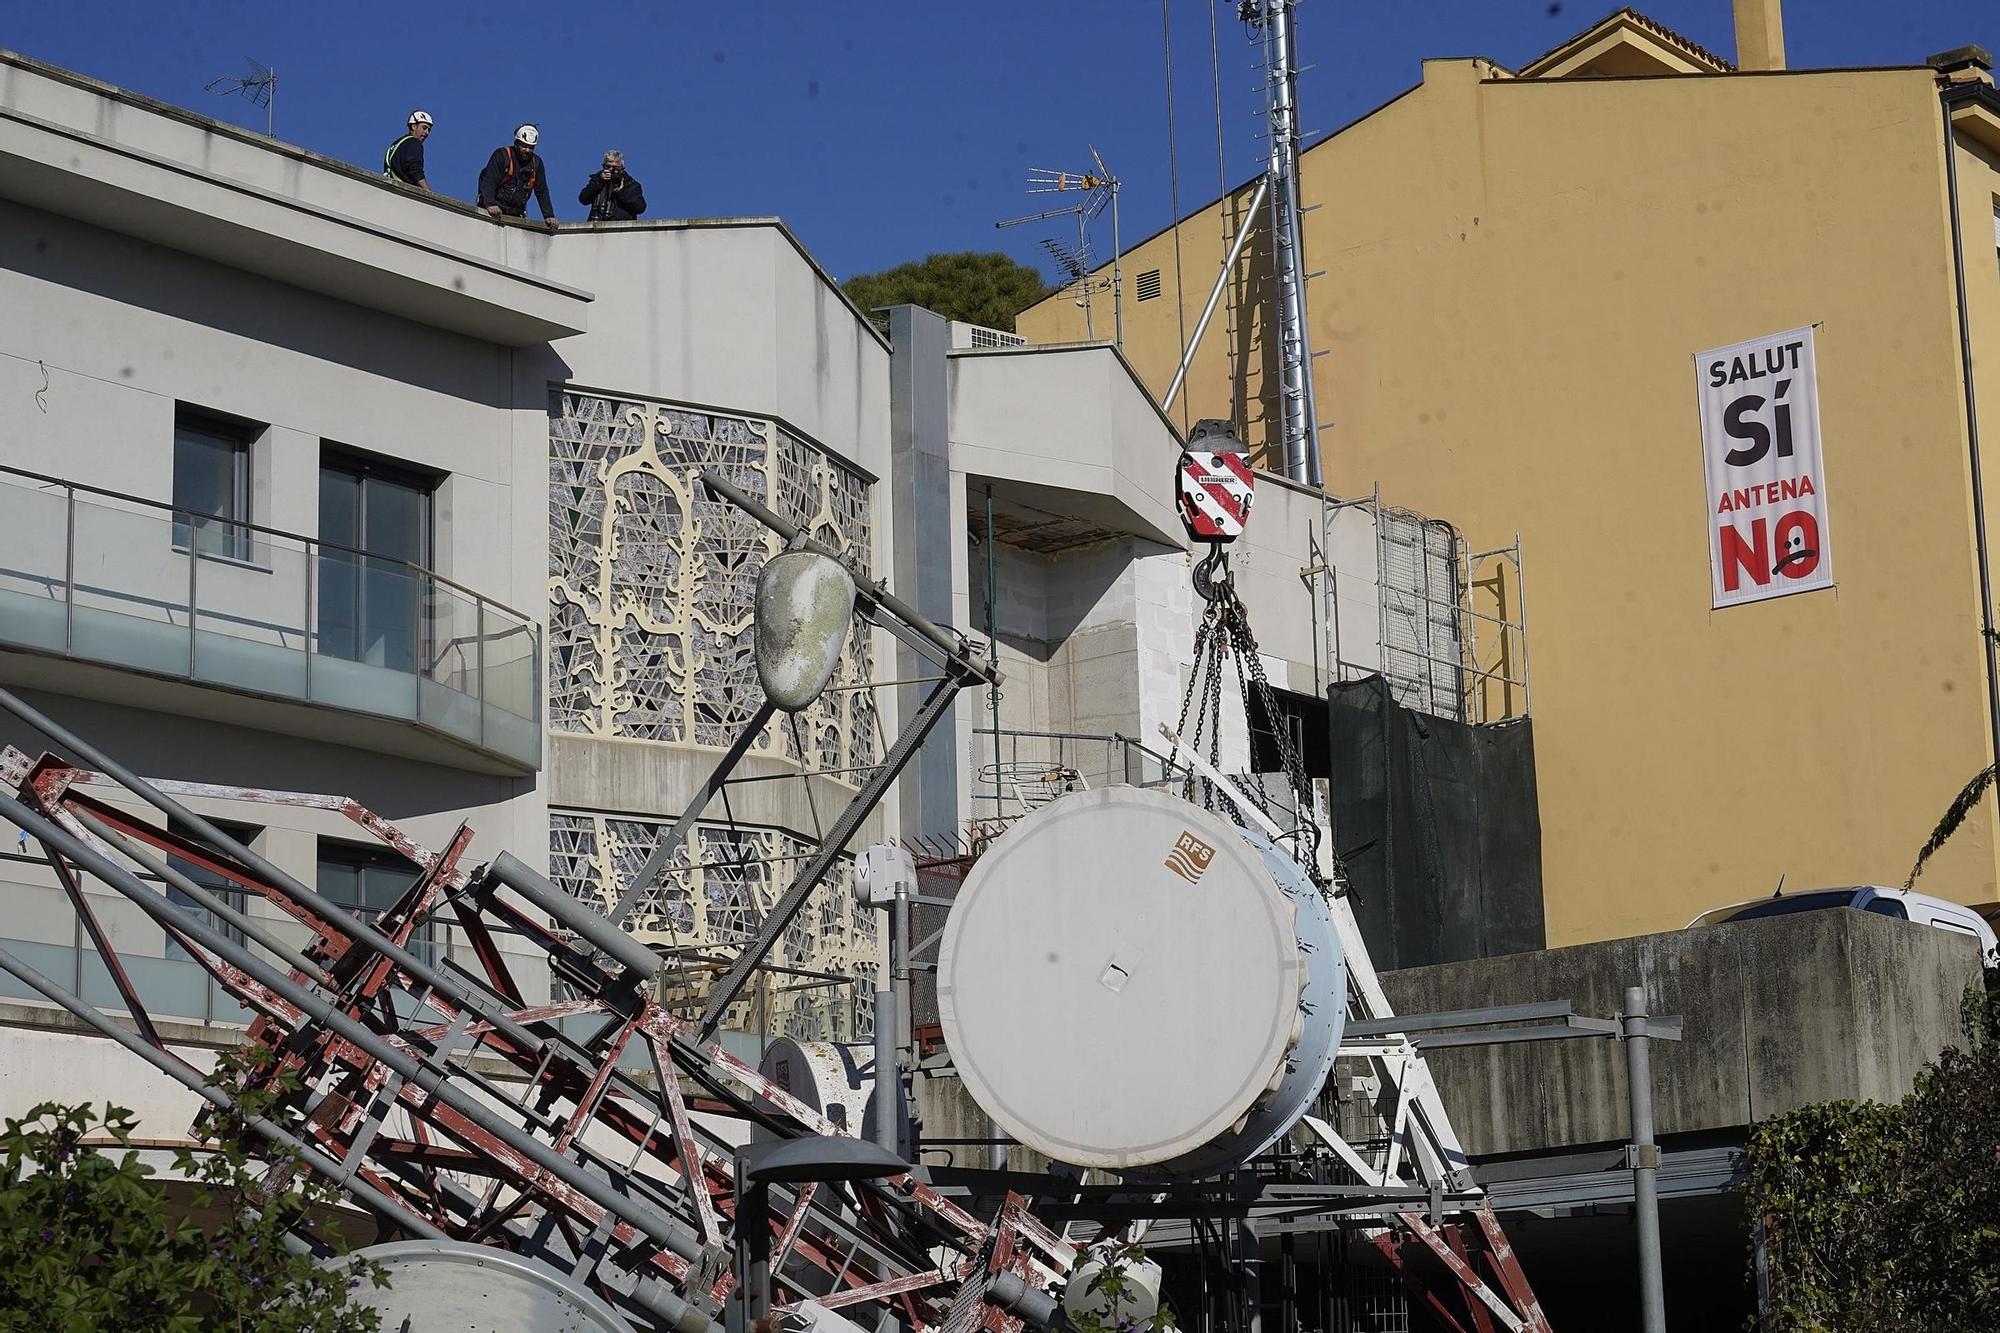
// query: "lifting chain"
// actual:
[[1225, 645]]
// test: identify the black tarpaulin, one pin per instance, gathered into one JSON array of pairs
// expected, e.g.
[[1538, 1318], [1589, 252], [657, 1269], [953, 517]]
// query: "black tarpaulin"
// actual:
[[1441, 828]]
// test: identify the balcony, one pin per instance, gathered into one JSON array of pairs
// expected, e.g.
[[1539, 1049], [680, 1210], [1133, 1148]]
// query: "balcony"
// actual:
[[349, 646]]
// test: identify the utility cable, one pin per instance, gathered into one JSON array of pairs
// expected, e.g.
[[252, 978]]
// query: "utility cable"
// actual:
[[1222, 196], [1174, 188]]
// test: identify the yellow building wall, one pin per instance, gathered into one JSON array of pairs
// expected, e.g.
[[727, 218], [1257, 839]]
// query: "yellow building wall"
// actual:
[[1518, 275], [1979, 203]]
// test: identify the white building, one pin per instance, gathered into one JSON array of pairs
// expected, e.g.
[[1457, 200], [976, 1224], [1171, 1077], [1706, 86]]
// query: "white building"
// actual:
[[282, 451], [312, 482]]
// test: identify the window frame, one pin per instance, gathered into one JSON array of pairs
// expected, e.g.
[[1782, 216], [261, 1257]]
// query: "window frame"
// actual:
[[427, 941], [364, 466], [237, 898], [227, 535], [348, 562]]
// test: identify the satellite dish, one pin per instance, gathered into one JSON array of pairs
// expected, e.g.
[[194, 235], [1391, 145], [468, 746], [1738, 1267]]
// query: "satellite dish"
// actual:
[[439, 1284], [804, 607]]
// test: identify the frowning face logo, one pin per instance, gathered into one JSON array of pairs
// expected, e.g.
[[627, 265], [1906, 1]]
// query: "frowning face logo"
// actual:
[[1190, 857]]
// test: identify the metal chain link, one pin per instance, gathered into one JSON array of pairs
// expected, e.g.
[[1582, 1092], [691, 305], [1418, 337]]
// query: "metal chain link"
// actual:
[[1225, 639]]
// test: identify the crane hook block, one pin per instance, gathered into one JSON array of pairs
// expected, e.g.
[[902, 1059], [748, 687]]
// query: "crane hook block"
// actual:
[[1215, 492]]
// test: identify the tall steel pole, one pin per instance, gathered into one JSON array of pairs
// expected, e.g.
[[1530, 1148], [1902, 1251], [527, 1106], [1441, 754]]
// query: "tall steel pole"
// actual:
[[1117, 277], [1645, 1161], [1298, 417]]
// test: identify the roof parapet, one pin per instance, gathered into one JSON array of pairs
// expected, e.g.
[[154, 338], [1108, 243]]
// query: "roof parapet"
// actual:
[[1963, 64]]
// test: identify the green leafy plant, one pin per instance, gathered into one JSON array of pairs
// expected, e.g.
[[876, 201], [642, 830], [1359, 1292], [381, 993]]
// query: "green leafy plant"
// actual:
[[89, 1241], [1109, 1303], [1888, 1217]]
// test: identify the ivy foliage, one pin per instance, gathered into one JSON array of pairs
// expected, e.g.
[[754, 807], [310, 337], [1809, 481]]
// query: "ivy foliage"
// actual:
[[1887, 1218], [1110, 1301], [89, 1241]]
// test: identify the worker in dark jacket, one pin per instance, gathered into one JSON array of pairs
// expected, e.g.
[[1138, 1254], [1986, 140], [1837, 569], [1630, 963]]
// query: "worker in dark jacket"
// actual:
[[405, 159], [612, 195], [512, 174]]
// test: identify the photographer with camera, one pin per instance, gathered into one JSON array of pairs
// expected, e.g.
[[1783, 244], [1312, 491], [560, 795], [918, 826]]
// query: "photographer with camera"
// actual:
[[612, 195]]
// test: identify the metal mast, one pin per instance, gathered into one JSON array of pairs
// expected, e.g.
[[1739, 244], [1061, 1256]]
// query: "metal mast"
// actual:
[[1298, 417]]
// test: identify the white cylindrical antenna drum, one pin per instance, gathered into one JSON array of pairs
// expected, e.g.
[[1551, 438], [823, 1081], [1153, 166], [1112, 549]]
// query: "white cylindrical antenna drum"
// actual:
[[1129, 982]]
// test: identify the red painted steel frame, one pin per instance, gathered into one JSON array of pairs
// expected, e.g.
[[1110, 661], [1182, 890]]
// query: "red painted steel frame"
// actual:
[[403, 1156]]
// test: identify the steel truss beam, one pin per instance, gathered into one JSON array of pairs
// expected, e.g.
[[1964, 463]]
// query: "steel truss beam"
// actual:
[[1418, 1148], [437, 1099]]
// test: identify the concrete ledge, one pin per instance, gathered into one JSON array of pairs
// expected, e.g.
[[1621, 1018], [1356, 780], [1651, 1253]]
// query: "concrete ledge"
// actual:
[[1068, 429], [101, 156], [656, 780], [1778, 1013]]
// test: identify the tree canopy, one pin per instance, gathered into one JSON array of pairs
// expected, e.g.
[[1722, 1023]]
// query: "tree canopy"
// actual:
[[988, 289]]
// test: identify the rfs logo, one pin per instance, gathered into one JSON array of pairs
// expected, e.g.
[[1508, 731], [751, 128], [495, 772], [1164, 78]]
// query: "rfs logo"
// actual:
[[1190, 857]]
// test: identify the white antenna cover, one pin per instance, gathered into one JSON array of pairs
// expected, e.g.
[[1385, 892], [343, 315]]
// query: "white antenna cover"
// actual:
[[881, 871], [1121, 983]]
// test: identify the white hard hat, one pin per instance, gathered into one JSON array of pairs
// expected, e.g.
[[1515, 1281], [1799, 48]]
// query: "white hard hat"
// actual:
[[528, 135], [421, 118]]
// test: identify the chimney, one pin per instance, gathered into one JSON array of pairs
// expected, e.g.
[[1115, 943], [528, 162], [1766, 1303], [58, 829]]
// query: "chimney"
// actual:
[[1760, 35], [1964, 64]]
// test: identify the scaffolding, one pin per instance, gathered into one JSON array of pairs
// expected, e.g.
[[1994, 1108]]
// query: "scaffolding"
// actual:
[[1445, 626]]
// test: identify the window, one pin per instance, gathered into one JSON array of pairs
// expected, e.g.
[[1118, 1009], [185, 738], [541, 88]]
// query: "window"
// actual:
[[1887, 907], [207, 879], [368, 881], [1996, 227], [1817, 900], [376, 519], [1147, 285], [1302, 720], [212, 483]]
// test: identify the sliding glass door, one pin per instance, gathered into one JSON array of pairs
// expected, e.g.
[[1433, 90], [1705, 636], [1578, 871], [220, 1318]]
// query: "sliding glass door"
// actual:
[[371, 597]]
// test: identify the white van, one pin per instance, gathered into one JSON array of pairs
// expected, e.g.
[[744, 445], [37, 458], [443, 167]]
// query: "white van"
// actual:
[[1899, 903]]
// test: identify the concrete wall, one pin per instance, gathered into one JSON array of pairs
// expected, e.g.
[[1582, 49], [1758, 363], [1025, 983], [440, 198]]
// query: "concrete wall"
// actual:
[[1777, 1013], [732, 315], [1517, 273], [106, 156], [1085, 634], [1098, 638], [1071, 420]]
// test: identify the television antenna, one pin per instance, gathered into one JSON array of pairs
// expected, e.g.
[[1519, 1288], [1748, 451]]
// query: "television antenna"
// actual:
[[259, 88], [1073, 261], [1100, 192]]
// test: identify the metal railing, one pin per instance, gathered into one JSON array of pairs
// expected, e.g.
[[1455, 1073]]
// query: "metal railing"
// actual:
[[98, 575], [1025, 770]]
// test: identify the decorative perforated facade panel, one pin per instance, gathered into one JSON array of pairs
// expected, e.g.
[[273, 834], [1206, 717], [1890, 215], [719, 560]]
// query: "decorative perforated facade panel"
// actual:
[[651, 581], [651, 585], [720, 884]]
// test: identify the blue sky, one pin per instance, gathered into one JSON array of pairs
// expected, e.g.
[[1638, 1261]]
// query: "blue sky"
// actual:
[[880, 131]]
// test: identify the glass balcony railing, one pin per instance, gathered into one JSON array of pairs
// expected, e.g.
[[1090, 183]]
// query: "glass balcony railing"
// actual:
[[96, 576]]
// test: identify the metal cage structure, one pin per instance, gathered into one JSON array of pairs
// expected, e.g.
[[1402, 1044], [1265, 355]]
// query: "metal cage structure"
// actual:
[[1443, 624]]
